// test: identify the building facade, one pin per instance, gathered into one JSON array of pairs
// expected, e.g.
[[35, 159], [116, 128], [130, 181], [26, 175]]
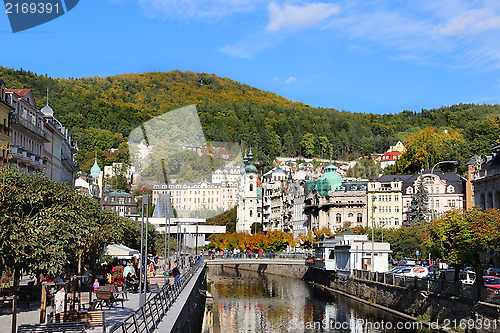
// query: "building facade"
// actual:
[[487, 182], [249, 197], [385, 202], [122, 203], [336, 204], [446, 191], [27, 131], [5, 138]]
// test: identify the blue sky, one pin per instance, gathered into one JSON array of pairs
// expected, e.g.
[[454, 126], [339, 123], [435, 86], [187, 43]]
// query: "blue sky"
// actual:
[[379, 56]]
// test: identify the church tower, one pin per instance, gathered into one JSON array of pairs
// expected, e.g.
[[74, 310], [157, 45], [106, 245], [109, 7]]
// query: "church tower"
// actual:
[[249, 200]]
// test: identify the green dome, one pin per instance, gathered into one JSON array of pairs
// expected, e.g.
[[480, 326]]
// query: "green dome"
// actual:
[[95, 171], [329, 181]]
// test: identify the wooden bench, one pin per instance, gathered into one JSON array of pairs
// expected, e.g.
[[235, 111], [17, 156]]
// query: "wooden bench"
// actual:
[[114, 289], [107, 297], [75, 327], [91, 318]]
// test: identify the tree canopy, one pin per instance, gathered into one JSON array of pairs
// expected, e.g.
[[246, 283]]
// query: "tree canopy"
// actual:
[[462, 236], [45, 227], [102, 111]]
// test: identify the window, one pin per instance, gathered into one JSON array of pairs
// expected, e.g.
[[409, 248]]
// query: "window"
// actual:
[[251, 187], [396, 221], [359, 218], [396, 198], [396, 209], [251, 213], [338, 218]]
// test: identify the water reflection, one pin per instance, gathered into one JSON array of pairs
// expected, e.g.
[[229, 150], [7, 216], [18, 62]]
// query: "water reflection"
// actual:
[[246, 301]]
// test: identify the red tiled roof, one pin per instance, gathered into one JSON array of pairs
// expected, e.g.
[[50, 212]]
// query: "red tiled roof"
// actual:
[[390, 155], [18, 92]]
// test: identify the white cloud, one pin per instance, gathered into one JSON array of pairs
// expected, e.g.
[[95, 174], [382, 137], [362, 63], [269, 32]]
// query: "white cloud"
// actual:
[[291, 79], [465, 32], [294, 16], [238, 51], [196, 8], [470, 23]]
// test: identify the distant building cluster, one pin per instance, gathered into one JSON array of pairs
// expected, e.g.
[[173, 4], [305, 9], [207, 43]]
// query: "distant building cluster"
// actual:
[[32, 139], [296, 198]]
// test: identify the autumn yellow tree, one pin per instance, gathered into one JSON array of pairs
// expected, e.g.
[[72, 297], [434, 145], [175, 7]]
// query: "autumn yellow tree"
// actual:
[[429, 146]]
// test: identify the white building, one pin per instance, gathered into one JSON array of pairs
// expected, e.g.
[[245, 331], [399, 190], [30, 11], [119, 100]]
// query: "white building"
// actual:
[[349, 251], [249, 197]]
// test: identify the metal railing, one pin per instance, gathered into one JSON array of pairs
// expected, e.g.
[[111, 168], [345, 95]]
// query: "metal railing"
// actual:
[[470, 292], [264, 255], [148, 317]]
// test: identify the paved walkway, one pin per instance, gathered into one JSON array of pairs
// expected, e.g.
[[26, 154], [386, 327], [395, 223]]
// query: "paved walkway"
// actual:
[[31, 315]]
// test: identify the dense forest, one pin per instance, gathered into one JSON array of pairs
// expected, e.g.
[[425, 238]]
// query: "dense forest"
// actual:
[[102, 112]]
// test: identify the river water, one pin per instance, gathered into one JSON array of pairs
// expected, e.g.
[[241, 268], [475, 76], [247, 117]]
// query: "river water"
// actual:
[[246, 301]]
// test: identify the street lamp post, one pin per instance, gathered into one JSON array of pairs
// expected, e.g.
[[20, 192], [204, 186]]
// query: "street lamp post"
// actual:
[[373, 232], [144, 250], [432, 184]]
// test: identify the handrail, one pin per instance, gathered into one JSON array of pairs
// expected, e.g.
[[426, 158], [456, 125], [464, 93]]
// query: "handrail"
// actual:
[[148, 317], [265, 255]]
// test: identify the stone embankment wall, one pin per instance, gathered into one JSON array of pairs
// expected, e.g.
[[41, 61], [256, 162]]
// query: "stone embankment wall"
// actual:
[[437, 310], [294, 271]]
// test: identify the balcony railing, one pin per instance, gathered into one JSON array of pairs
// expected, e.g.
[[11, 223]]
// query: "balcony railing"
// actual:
[[16, 119]]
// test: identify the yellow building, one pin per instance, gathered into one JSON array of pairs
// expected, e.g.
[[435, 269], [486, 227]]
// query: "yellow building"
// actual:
[[5, 109], [385, 202], [398, 146]]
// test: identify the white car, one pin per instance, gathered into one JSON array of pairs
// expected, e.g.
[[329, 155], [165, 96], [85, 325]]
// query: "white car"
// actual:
[[419, 271]]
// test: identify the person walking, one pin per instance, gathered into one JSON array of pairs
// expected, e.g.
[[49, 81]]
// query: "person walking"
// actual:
[[59, 299]]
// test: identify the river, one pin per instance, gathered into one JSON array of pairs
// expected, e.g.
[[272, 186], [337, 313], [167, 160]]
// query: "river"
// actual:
[[245, 301]]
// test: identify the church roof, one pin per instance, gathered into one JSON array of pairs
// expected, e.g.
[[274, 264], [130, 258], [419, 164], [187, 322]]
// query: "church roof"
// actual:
[[95, 171], [329, 181]]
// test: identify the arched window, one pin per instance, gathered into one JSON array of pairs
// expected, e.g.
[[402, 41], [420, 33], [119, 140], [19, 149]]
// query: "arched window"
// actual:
[[251, 187], [251, 213], [359, 218], [350, 217], [338, 218]]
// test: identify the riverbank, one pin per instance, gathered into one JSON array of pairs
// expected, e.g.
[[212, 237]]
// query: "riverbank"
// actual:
[[435, 311]]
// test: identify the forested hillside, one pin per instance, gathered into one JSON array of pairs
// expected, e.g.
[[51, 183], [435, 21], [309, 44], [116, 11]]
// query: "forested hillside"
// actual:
[[101, 112]]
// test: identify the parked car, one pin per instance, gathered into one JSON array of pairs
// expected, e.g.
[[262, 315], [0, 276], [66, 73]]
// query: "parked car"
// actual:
[[418, 271], [395, 270], [407, 262], [465, 277], [493, 271], [492, 284]]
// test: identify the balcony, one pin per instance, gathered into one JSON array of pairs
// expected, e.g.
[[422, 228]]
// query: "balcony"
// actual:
[[4, 130], [16, 119]]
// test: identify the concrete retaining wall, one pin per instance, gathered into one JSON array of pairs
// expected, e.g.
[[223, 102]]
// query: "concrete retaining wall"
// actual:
[[286, 270], [186, 314], [437, 310]]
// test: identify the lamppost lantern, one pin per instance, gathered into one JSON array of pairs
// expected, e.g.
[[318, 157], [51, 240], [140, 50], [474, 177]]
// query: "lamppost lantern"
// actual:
[[432, 183], [374, 198]]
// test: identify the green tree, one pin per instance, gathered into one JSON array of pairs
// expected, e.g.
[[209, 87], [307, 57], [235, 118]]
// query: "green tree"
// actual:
[[419, 206], [308, 144], [46, 227], [462, 236], [365, 168], [256, 227]]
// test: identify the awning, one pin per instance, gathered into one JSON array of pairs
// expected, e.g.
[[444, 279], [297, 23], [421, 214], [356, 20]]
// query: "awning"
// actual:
[[120, 251]]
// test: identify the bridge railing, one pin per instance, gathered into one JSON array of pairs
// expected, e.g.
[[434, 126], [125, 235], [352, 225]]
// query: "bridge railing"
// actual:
[[265, 255], [148, 317]]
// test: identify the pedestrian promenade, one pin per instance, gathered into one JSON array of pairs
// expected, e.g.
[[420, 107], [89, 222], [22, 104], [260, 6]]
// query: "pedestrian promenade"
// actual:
[[31, 315]]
